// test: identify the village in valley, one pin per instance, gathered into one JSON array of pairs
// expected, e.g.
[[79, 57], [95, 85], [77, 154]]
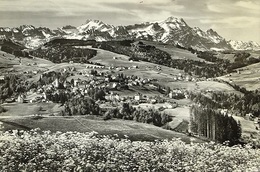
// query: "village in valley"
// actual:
[[112, 84], [109, 86]]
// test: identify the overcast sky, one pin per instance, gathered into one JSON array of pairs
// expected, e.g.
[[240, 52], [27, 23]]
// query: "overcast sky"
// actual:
[[232, 19]]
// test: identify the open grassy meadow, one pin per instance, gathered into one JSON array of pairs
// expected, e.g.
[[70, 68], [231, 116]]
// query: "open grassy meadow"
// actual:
[[133, 130], [25, 109], [248, 77], [176, 53]]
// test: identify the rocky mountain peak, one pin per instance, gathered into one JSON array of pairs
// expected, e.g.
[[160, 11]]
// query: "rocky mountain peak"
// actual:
[[171, 30]]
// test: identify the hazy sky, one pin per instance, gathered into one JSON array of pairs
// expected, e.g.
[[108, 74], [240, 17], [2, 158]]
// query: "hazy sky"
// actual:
[[232, 19]]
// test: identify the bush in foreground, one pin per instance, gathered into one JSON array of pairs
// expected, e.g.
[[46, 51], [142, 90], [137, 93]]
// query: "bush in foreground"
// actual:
[[73, 151]]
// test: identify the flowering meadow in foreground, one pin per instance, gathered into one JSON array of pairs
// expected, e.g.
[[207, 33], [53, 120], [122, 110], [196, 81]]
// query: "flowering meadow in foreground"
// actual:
[[73, 151]]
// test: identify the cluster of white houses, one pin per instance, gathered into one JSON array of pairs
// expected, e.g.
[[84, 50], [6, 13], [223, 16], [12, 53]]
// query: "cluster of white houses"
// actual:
[[100, 80], [118, 68]]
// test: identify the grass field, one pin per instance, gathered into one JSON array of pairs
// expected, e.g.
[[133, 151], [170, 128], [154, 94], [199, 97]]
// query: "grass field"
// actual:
[[248, 77], [134, 130], [133, 90], [181, 85], [19, 66], [249, 130], [12, 60], [200, 86], [179, 114], [144, 68], [107, 58], [176, 53], [229, 57], [25, 109], [215, 86], [247, 125]]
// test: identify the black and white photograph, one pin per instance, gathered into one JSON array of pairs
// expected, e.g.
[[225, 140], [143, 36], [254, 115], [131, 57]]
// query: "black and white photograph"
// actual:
[[129, 86]]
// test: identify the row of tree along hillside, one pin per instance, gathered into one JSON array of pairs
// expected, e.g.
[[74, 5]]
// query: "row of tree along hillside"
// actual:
[[241, 58], [128, 112], [80, 105], [69, 42], [64, 53], [14, 48], [239, 104], [214, 125]]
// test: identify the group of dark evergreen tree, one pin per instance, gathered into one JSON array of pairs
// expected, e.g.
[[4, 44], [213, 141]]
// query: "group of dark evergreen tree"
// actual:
[[14, 48], [241, 59], [127, 112], [238, 104], [12, 85], [2, 109], [207, 120], [212, 124], [64, 53], [69, 42], [48, 78], [81, 106]]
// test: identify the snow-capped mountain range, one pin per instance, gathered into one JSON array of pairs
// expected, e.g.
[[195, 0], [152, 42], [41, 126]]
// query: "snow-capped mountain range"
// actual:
[[240, 45], [172, 30]]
